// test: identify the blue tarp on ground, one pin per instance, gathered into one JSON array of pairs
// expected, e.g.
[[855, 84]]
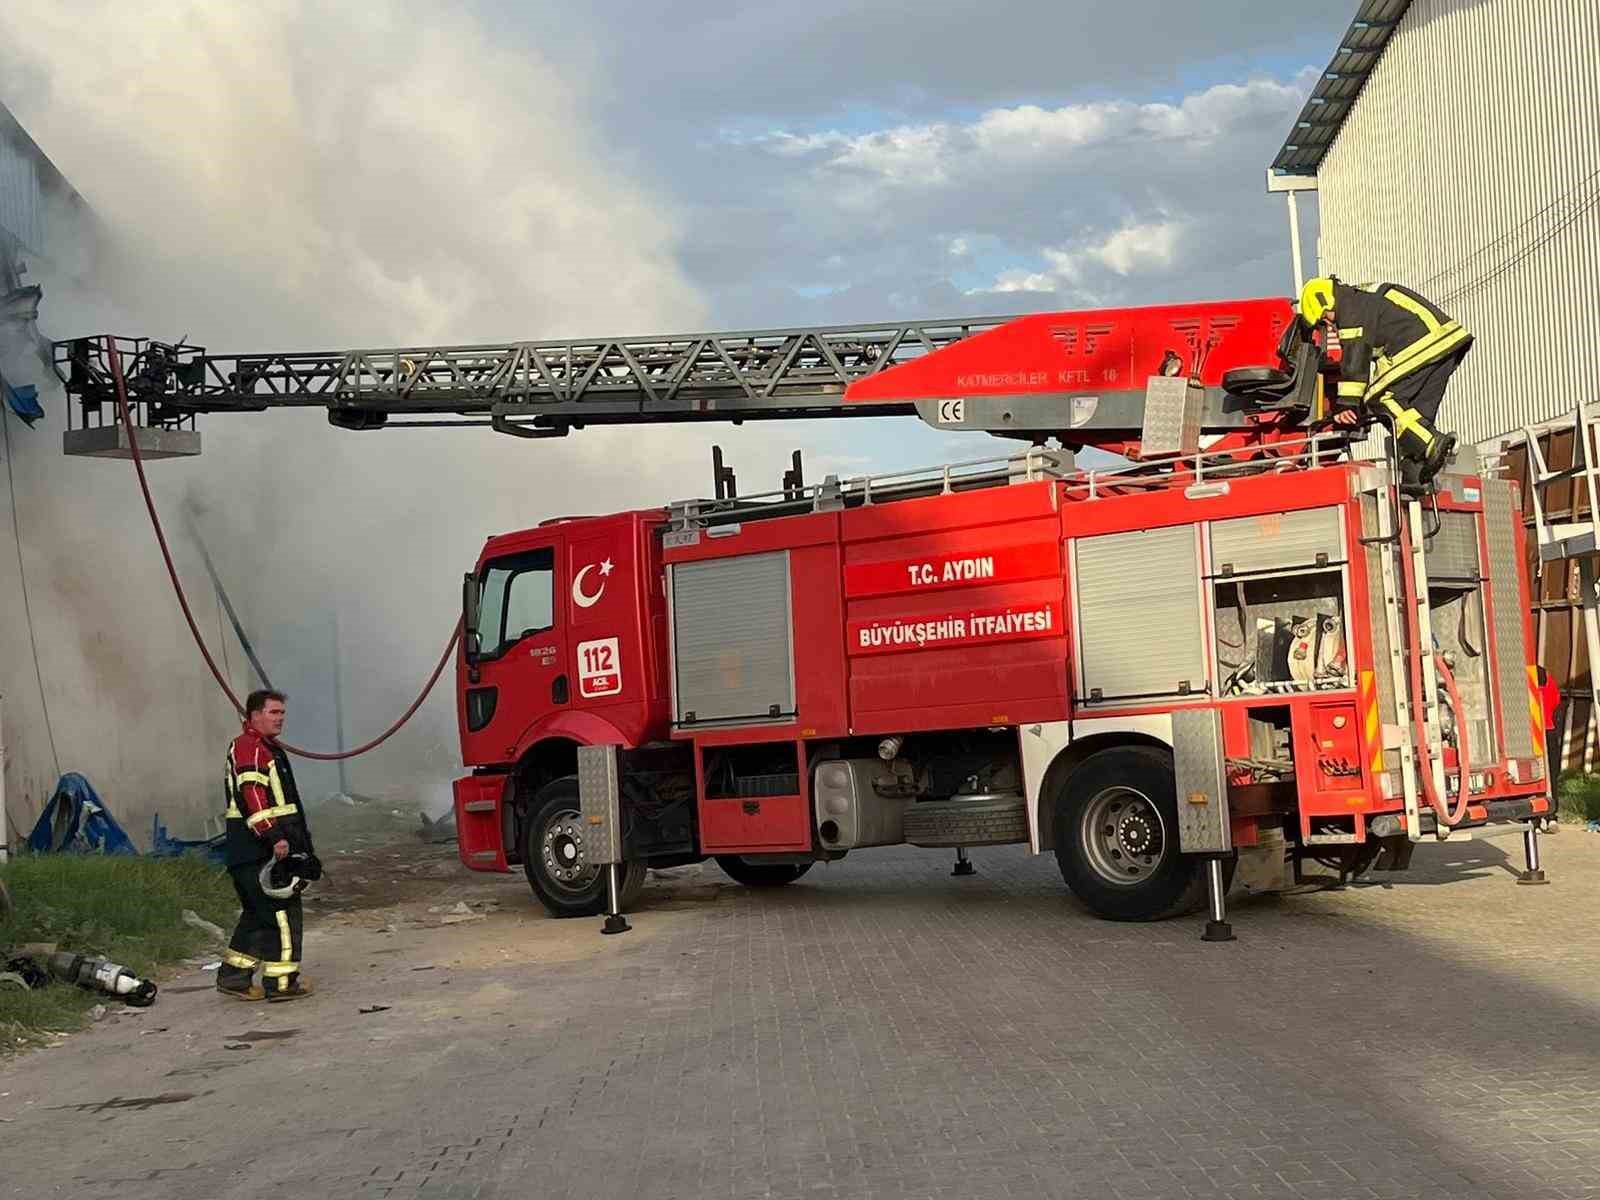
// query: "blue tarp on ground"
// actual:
[[163, 845], [76, 822]]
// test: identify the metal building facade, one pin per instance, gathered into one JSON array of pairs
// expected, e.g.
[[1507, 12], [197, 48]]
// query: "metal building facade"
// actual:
[[1468, 166], [26, 179]]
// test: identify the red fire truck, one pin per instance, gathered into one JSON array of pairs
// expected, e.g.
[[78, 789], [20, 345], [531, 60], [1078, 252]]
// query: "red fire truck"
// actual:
[[1222, 658], [1238, 649]]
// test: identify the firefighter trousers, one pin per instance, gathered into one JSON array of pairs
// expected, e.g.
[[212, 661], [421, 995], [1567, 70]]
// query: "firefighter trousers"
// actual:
[[1412, 406], [267, 935]]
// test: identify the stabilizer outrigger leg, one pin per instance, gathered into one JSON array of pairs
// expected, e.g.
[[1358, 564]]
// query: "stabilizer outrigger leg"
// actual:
[[963, 863], [1533, 873], [1217, 928], [615, 921]]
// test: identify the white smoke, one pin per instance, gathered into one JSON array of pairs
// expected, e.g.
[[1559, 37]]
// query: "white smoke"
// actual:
[[295, 175]]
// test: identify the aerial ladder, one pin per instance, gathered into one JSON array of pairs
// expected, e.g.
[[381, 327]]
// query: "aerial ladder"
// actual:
[[1235, 370]]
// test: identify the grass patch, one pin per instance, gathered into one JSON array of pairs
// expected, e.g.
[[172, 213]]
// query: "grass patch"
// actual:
[[1578, 796], [126, 909]]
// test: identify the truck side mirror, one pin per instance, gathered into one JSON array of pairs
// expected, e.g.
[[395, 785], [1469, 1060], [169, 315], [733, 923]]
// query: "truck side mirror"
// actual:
[[471, 644]]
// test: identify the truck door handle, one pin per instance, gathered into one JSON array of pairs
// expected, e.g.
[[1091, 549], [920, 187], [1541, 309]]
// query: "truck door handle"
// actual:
[[558, 690]]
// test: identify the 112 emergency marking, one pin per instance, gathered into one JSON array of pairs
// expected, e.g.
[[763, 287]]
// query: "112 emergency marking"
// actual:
[[599, 668]]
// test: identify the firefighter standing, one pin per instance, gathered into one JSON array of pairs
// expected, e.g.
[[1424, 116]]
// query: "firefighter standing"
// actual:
[[266, 829], [1398, 352]]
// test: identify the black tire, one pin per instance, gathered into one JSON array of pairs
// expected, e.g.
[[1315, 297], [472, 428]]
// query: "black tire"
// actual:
[[1129, 795], [565, 884], [760, 874], [992, 821]]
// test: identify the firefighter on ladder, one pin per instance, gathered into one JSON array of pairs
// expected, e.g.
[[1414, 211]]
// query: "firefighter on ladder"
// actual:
[[1398, 351], [266, 836]]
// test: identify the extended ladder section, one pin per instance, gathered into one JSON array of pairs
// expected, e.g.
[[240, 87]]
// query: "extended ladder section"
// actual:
[[740, 375]]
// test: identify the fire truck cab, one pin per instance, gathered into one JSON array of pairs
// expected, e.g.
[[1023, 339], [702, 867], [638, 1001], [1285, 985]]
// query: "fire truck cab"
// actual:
[[1164, 678]]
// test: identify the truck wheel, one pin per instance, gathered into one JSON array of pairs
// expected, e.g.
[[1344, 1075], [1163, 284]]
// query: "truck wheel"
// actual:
[[759, 874], [1117, 837], [989, 821], [563, 878]]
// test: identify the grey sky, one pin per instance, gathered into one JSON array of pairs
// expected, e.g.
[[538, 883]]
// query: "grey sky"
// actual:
[[921, 214]]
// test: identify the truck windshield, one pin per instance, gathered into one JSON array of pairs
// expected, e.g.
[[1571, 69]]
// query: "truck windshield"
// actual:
[[518, 599]]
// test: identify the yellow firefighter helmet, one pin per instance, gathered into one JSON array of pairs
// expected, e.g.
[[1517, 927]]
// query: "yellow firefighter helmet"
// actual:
[[1316, 298]]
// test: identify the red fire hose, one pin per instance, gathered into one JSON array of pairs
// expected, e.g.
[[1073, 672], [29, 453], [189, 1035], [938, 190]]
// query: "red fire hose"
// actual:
[[1414, 662], [188, 615], [1463, 759]]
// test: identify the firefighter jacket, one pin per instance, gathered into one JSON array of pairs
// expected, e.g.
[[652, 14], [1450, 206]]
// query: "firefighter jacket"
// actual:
[[263, 804], [1387, 334]]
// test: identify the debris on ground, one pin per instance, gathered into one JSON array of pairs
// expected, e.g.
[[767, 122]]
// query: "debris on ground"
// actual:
[[26, 970], [456, 914], [196, 921], [164, 845], [376, 1008], [437, 832], [97, 1013]]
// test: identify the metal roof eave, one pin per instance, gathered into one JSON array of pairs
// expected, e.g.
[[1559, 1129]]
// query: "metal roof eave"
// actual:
[[1335, 94]]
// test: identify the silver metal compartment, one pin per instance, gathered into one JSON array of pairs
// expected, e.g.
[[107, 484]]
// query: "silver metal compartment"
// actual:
[[732, 655], [1276, 541], [1140, 614]]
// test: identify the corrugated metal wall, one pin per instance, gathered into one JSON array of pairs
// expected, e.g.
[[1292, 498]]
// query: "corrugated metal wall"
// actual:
[[22, 206], [1469, 169]]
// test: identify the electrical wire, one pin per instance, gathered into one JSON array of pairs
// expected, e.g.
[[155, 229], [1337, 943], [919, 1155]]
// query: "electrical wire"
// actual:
[[22, 575], [115, 361], [1580, 204]]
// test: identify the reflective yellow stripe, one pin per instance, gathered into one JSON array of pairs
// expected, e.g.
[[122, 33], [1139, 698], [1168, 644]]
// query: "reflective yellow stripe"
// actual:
[[285, 956], [1536, 711], [234, 959], [1420, 311], [1420, 353], [276, 784], [1352, 331], [1352, 388], [266, 814], [1407, 420], [244, 777], [1369, 694], [232, 810]]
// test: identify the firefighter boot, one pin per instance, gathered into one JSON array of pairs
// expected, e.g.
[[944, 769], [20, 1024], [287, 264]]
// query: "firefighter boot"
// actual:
[[1417, 440], [1438, 455], [301, 989]]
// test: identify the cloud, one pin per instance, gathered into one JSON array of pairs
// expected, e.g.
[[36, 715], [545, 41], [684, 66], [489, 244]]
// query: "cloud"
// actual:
[[1099, 202], [1029, 138]]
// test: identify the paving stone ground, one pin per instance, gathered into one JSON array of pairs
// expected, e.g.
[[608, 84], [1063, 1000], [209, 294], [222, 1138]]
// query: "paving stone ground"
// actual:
[[878, 1030]]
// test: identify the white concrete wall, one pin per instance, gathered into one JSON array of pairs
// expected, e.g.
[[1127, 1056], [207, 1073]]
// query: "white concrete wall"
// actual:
[[1469, 169]]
